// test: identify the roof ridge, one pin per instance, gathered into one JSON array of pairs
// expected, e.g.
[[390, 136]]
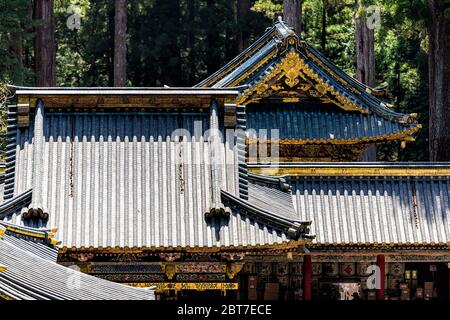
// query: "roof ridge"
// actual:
[[294, 228], [15, 203], [379, 105]]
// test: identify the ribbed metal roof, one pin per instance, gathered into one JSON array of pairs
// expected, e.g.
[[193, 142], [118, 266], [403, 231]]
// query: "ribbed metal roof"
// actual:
[[2, 189], [375, 210], [313, 121], [272, 199], [32, 274], [121, 180], [14, 204]]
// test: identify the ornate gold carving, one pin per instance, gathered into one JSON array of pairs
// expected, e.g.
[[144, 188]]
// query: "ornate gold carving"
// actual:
[[170, 269], [233, 269], [406, 135], [150, 251], [170, 257], [233, 256], [293, 72], [5, 297], [82, 257], [178, 286], [291, 67], [127, 257], [354, 172]]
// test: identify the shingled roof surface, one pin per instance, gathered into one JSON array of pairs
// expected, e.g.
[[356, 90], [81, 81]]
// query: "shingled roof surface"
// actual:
[[117, 179], [28, 271], [371, 204]]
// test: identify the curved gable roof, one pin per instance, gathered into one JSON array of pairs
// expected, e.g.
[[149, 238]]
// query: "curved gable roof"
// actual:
[[280, 57]]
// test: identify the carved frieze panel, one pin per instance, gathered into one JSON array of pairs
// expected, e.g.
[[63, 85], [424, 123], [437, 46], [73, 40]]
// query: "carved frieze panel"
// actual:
[[394, 282], [249, 268], [282, 268], [189, 277], [362, 268], [204, 267], [347, 269], [264, 269], [122, 277], [316, 269], [139, 268], [296, 268], [396, 268], [330, 269]]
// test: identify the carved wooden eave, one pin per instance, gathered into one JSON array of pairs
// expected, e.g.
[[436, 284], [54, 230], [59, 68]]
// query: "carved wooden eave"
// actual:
[[288, 246], [435, 170], [118, 99]]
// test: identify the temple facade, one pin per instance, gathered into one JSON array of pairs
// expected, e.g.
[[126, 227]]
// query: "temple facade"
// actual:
[[248, 185]]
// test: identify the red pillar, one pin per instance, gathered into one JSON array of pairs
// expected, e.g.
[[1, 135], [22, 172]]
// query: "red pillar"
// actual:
[[307, 277], [381, 265]]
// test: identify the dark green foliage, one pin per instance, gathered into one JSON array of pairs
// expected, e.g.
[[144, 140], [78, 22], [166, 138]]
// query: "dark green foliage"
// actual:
[[15, 53]]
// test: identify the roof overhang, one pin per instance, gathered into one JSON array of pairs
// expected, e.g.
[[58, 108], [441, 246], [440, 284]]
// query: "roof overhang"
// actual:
[[43, 91], [350, 169], [124, 97]]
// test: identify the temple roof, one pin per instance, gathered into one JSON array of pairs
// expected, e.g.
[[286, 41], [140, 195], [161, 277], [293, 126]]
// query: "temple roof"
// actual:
[[119, 179], [371, 204], [28, 271], [280, 68]]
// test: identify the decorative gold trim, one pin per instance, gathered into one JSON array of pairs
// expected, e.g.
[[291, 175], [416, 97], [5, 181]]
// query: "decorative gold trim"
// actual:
[[390, 245], [233, 269], [178, 286], [50, 235], [405, 135], [5, 296], [2, 268], [170, 269], [293, 69], [2, 170], [25, 233], [91, 102], [353, 172], [286, 245]]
